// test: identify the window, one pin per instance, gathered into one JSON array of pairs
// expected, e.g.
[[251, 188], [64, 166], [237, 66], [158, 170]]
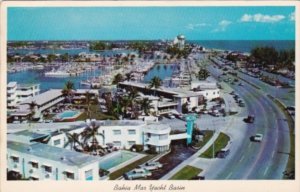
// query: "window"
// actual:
[[117, 132], [15, 159], [117, 143], [69, 175], [131, 132], [34, 164], [131, 143], [206, 94], [89, 175], [47, 168], [213, 92], [57, 142]]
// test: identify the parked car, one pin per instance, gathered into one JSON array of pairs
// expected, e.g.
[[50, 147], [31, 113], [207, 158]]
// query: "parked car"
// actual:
[[151, 165], [171, 116], [242, 104], [223, 153], [137, 173], [257, 138], [241, 84], [249, 119]]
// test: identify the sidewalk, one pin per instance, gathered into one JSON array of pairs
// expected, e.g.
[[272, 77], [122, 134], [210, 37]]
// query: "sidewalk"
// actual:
[[192, 158]]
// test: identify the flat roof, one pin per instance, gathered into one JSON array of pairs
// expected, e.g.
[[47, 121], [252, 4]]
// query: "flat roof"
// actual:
[[44, 97], [176, 92], [57, 154], [121, 123], [12, 84]]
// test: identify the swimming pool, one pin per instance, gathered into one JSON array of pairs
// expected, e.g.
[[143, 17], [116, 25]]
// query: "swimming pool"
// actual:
[[67, 116], [116, 158]]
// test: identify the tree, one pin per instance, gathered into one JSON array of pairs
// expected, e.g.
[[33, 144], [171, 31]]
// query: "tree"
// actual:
[[68, 89], [203, 74], [73, 139], [155, 82], [91, 133], [145, 105], [32, 107], [117, 79], [88, 98], [128, 76]]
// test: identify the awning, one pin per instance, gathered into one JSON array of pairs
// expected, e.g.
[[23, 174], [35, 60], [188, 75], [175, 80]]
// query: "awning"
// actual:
[[33, 161], [68, 171], [14, 156], [16, 170], [46, 165]]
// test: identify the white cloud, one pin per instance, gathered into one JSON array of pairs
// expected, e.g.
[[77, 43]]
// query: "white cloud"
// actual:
[[292, 16], [222, 26], [195, 26], [262, 18]]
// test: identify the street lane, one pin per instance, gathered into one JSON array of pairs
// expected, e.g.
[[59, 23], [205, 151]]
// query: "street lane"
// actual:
[[259, 160]]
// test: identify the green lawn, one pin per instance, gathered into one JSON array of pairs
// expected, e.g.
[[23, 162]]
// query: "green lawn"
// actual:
[[206, 138], [220, 143], [120, 172], [186, 173], [95, 114]]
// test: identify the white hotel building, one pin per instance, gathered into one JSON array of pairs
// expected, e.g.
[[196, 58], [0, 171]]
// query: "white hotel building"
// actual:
[[17, 93], [41, 161], [38, 161]]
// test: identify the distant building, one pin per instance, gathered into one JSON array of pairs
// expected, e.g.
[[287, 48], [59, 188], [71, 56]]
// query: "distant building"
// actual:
[[180, 41], [16, 93]]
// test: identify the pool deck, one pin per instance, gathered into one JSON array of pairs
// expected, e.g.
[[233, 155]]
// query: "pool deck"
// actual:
[[121, 165]]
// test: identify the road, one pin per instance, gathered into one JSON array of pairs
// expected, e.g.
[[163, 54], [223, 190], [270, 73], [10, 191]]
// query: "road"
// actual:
[[248, 160]]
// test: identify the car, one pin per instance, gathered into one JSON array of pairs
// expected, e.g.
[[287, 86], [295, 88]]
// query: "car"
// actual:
[[232, 93], [241, 84], [137, 173], [249, 119], [151, 165], [257, 138], [171, 116], [223, 153], [242, 104], [48, 121]]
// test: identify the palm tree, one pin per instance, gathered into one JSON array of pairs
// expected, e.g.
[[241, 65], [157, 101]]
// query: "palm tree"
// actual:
[[91, 132], [88, 98], [128, 76], [155, 82], [73, 139], [68, 90], [125, 102], [117, 79], [32, 107], [145, 105], [203, 74]]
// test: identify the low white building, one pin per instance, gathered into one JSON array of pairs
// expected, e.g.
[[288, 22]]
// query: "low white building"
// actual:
[[38, 161], [123, 134]]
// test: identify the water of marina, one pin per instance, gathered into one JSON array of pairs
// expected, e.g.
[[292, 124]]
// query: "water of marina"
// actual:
[[46, 83], [68, 51], [160, 70]]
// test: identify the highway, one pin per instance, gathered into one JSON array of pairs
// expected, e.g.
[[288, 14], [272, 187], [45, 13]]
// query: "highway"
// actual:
[[249, 160]]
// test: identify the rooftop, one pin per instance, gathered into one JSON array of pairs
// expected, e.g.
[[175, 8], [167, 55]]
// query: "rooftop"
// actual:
[[61, 155], [44, 97], [122, 123], [11, 84]]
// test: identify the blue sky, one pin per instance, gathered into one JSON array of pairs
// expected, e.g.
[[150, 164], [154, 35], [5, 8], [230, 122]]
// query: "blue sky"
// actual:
[[150, 23]]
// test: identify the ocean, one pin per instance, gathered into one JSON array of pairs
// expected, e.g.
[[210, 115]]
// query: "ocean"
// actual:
[[245, 45]]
